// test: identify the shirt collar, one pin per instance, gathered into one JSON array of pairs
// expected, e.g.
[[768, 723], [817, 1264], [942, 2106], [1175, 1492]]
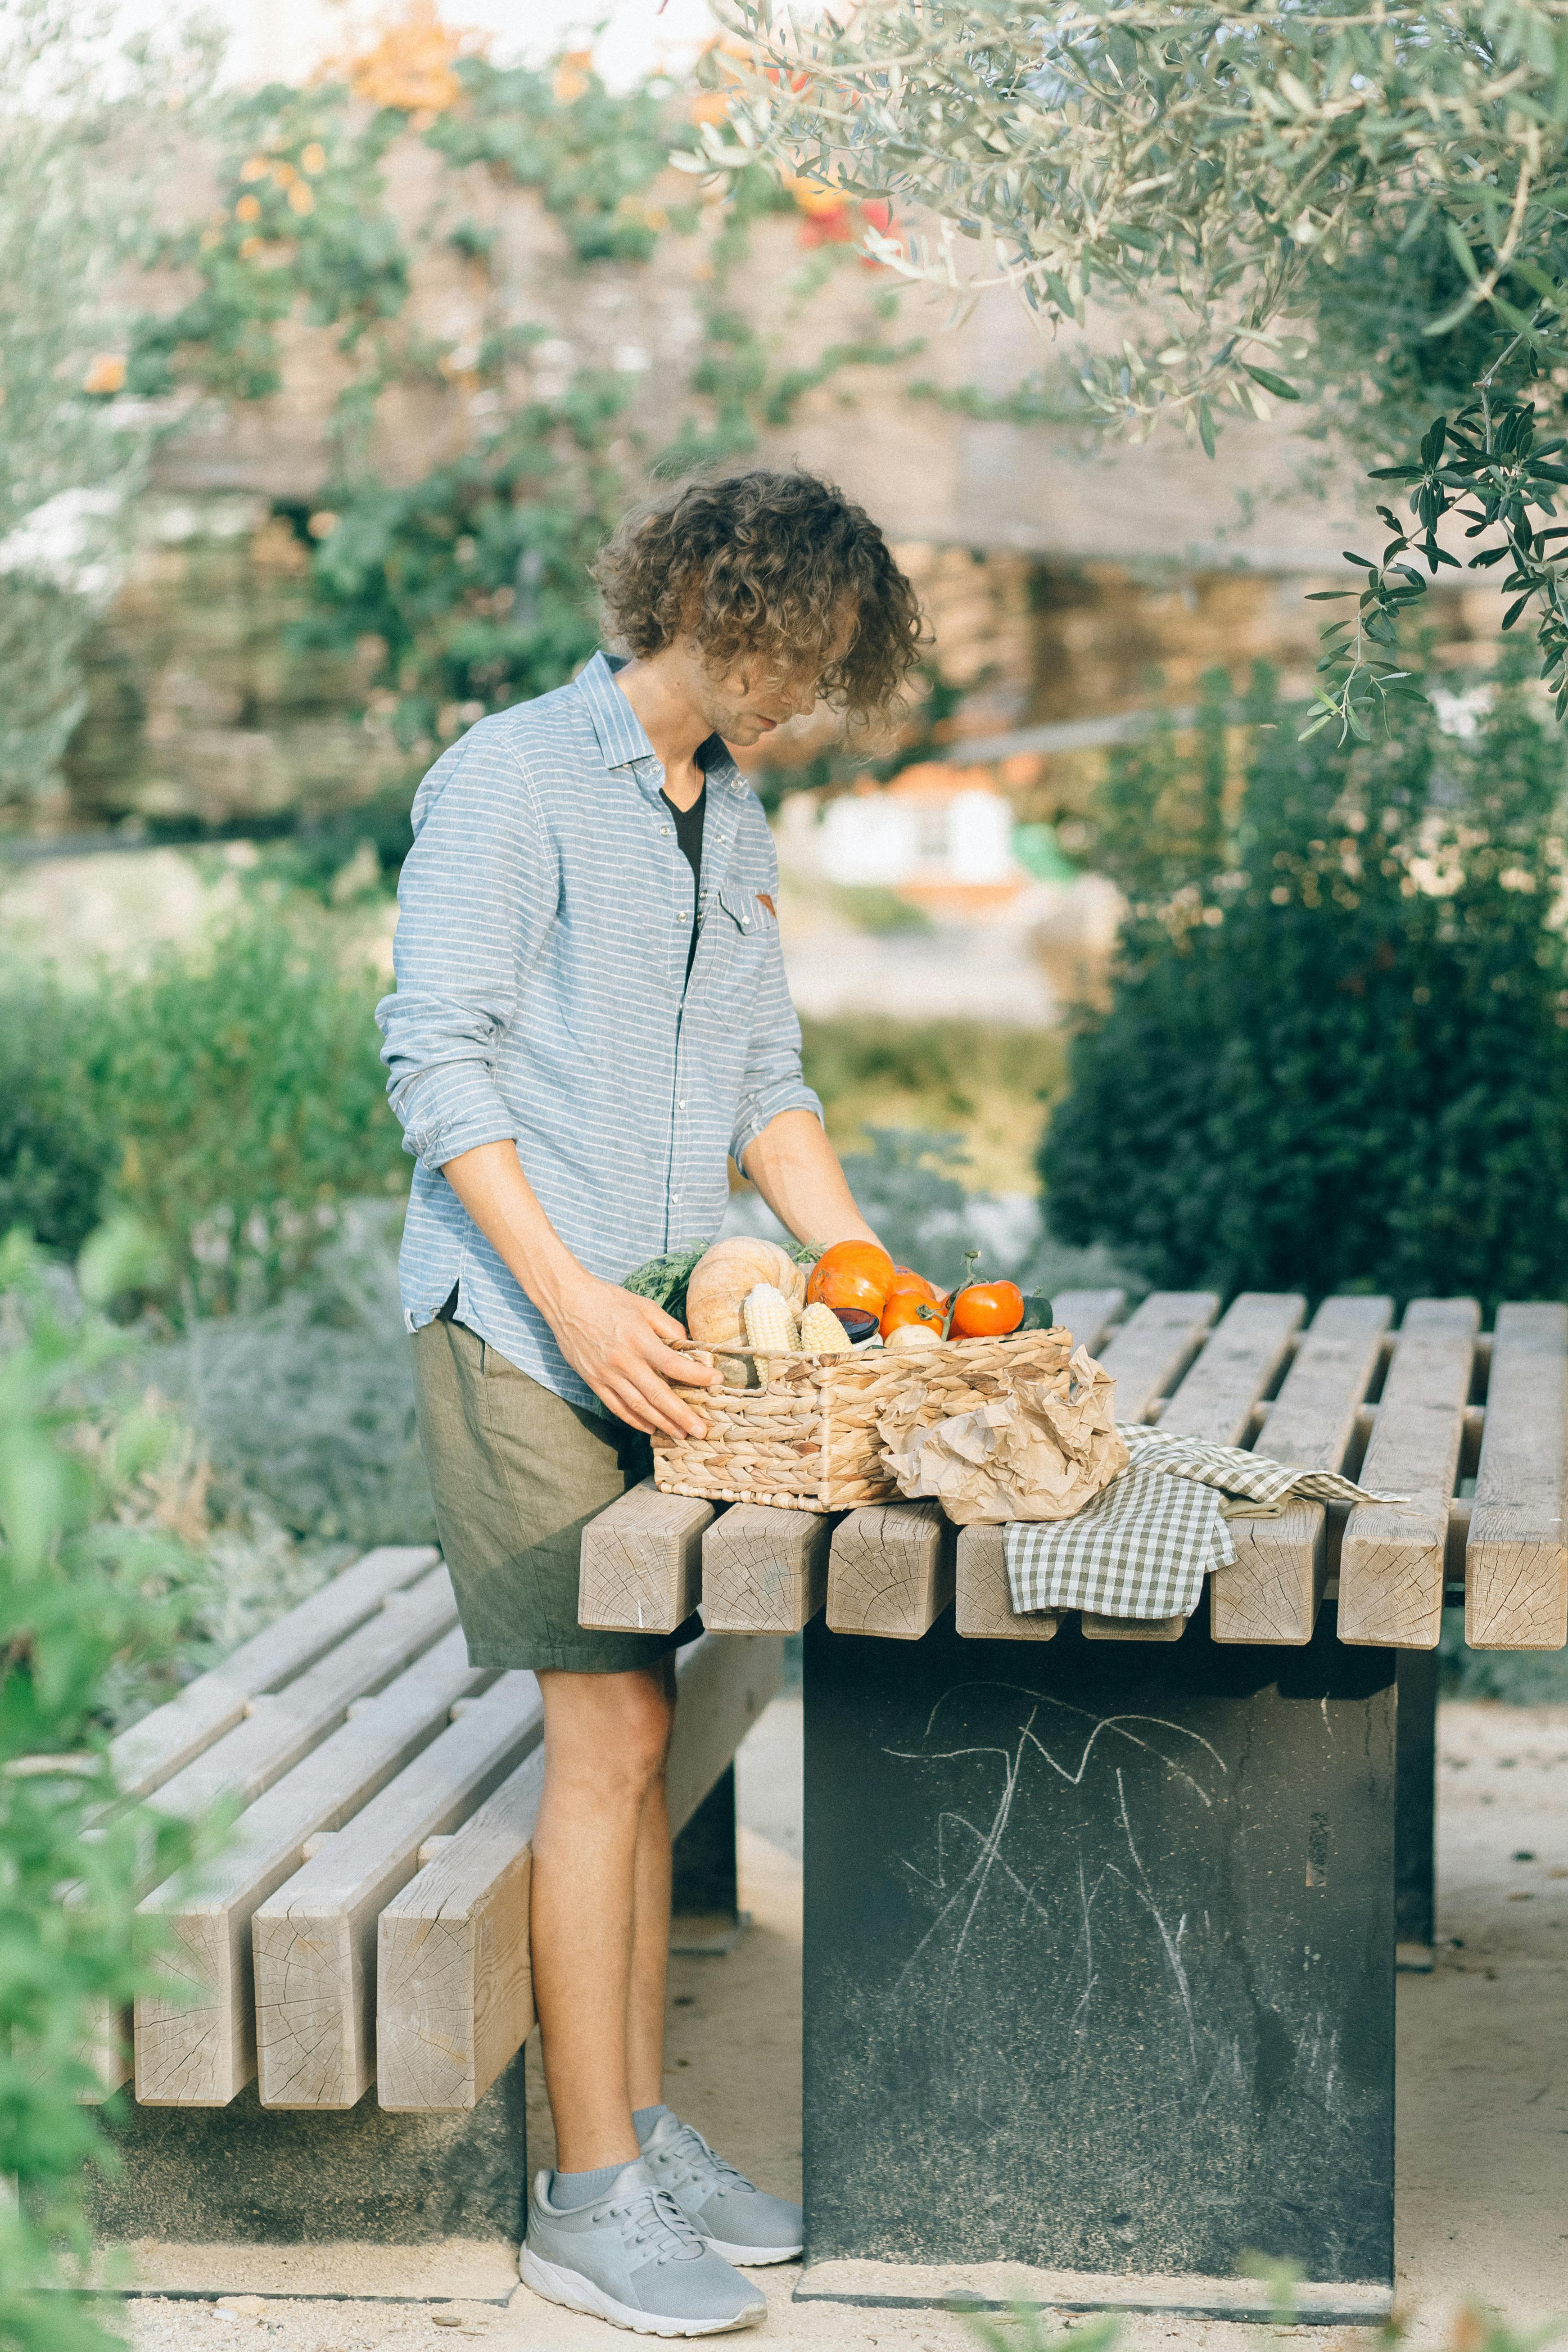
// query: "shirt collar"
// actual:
[[623, 739]]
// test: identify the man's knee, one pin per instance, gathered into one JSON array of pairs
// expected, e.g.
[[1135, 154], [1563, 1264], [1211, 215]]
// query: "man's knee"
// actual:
[[614, 1741]]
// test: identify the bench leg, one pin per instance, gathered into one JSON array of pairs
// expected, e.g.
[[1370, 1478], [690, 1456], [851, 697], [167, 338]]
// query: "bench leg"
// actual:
[[1098, 1965], [705, 1880], [239, 2198], [1415, 1808]]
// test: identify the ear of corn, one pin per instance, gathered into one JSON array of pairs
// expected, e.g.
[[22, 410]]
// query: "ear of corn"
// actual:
[[821, 1332], [769, 1326]]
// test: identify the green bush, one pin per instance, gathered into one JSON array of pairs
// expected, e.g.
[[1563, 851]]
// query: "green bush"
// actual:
[[1336, 1055], [231, 1098], [82, 1592]]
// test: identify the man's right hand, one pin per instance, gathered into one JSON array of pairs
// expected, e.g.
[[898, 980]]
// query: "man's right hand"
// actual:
[[620, 1345]]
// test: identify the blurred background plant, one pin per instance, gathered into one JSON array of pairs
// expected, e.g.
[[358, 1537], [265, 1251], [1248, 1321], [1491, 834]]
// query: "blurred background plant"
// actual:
[[95, 1586], [1336, 1052]]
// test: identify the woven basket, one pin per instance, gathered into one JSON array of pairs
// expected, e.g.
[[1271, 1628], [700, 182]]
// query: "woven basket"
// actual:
[[808, 1441]]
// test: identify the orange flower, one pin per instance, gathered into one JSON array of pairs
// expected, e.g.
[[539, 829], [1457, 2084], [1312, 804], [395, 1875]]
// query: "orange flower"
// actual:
[[314, 158], [410, 67], [302, 199], [247, 209], [105, 373], [573, 77]]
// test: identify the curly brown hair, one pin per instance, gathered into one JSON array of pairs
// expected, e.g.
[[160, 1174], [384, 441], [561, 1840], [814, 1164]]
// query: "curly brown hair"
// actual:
[[769, 564]]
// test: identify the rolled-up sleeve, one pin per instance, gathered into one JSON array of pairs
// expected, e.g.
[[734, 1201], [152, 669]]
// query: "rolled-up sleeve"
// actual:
[[773, 1081], [475, 898]]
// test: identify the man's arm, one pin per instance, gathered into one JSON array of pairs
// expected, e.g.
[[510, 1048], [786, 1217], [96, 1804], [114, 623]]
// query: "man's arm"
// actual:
[[797, 1171], [619, 1343]]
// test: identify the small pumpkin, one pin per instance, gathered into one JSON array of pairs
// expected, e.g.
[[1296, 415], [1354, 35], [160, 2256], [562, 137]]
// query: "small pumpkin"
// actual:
[[721, 1279], [852, 1274]]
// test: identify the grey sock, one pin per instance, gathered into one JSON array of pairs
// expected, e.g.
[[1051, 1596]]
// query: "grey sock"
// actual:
[[570, 2190], [645, 2122]]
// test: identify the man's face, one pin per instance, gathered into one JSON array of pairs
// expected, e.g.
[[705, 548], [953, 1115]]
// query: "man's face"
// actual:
[[755, 697]]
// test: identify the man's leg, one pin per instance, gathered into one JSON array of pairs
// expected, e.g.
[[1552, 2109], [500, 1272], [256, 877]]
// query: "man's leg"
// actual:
[[600, 1906]]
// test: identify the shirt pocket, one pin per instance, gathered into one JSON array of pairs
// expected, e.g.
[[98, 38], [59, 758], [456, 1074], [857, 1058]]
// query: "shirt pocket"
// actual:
[[744, 936]]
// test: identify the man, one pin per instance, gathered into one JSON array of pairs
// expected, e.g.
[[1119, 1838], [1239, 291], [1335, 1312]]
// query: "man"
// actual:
[[591, 1013]]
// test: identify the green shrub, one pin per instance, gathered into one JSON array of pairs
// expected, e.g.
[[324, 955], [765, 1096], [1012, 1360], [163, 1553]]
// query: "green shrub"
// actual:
[[231, 1098], [82, 1591], [1336, 1055]]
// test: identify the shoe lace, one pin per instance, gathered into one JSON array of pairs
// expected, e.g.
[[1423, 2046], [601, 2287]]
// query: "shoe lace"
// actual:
[[689, 2157], [651, 2222]]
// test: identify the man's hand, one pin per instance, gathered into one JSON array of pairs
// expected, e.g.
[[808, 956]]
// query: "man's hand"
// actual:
[[620, 1345]]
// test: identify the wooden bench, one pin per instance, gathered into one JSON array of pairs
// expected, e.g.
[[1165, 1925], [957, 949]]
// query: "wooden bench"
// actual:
[[364, 1927], [1118, 1915]]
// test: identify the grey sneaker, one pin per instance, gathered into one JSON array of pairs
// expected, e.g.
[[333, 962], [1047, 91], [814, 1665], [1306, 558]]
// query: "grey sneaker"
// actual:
[[739, 2222], [633, 2258]]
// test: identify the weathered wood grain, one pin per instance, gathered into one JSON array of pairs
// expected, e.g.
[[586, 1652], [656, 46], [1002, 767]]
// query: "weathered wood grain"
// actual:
[[1391, 1559], [1155, 1345], [276, 1730], [642, 1562], [154, 1749], [1089, 1314], [764, 1570], [1516, 1561], [1274, 1590], [195, 2036], [1214, 1402], [891, 1570], [314, 1939], [454, 1992], [984, 1604], [281, 1726]]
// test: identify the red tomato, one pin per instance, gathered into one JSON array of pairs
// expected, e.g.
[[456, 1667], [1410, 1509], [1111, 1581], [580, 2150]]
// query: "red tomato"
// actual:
[[852, 1274], [987, 1309]]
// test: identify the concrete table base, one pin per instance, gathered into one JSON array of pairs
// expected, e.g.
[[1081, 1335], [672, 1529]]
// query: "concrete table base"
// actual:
[[280, 2201], [1100, 1959]]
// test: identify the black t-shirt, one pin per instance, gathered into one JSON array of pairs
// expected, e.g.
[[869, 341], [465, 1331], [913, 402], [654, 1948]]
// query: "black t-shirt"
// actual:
[[688, 834]]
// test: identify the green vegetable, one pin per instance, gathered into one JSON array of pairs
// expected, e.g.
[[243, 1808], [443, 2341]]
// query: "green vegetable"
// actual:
[[664, 1279], [1039, 1315]]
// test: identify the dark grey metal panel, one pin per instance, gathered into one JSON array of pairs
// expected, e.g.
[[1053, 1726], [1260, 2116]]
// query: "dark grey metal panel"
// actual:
[[277, 2176], [1100, 1953]]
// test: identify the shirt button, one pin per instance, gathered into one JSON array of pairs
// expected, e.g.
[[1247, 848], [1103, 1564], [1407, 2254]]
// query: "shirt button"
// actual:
[[682, 1104], [665, 830]]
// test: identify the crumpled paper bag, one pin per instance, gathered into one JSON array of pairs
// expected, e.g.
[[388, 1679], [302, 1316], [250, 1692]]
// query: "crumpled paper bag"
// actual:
[[1041, 1452]]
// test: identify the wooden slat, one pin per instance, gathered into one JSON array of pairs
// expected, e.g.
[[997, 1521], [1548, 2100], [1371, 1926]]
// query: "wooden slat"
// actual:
[[764, 1570], [891, 1570], [154, 1749], [984, 1610], [1214, 1402], [1154, 1347], [1274, 1590], [283, 1726], [454, 1991], [1089, 1314], [642, 1562], [195, 2040], [1391, 1560], [314, 1939], [278, 1730], [1516, 1562]]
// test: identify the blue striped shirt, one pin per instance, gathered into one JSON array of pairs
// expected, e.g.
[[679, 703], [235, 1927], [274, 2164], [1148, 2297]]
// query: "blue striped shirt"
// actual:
[[545, 913]]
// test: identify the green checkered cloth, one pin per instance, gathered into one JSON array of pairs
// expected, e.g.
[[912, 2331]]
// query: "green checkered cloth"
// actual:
[[1143, 1548]]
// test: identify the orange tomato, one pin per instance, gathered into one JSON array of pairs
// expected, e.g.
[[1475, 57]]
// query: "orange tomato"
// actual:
[[904, 1307], [987, 1309], [907, 1291], [852, 1274]]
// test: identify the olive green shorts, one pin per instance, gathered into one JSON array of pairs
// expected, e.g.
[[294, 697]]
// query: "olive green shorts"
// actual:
[[517, 1473]]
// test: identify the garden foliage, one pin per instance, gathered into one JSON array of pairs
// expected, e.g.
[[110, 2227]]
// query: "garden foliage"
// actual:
[[230, 1098], [1336, 1055], [84, 1591]]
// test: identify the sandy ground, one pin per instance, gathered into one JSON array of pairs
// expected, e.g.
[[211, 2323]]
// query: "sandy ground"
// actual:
[[1483, 2085]]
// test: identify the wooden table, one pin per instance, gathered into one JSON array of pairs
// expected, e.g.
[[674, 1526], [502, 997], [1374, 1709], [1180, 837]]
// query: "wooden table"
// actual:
[[1101, 1932]]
